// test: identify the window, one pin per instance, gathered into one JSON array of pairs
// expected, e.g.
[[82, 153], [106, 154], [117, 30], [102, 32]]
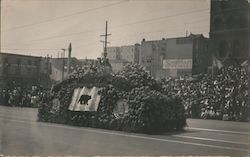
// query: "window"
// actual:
[[18, 61], [223, 49], [18, 67], [218, 23], [149, 59], [28, 69], [6, 60], [224, 4], [236, 48], [230, 22], [29, 62], [153, 47], [142, 60], [5, 66], [183, 41]]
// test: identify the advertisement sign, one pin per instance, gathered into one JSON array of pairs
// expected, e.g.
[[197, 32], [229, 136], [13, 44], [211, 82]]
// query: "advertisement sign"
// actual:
[[85, 99], [177, 64]]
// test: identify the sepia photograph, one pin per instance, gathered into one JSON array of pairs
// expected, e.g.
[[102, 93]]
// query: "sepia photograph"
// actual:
[[124, 78]]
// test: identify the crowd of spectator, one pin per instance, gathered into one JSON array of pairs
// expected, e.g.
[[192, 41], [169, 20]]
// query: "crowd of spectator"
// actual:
[[21, 97], [222, 96]]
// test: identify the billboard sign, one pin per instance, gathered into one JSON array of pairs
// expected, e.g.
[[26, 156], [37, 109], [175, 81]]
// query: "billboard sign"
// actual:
[[177, 64]]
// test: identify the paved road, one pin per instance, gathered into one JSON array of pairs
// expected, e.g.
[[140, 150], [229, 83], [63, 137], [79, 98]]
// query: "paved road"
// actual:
[[21, 134]]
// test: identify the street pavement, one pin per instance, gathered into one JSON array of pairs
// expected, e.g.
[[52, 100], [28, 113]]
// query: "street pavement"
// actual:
[[21, 134]]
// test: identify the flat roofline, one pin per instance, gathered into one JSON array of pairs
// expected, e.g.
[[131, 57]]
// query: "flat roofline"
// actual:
[[190, 36], [124, 45], [20, 55]]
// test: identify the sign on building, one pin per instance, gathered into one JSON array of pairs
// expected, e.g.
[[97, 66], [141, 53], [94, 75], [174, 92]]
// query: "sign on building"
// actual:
[[177, 64], [85, 99]]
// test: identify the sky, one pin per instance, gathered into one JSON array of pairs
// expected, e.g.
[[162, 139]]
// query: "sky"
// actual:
[[41, 27]]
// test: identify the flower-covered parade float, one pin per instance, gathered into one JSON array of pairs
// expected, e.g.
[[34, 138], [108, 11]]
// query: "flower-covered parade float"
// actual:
[[130, 100]]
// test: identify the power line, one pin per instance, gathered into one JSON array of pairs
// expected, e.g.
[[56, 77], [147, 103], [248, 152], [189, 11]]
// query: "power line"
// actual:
[[132, 23], [62, 17], [90, 44], [157, 31], [163, 17], [143, 33], [66, 35]]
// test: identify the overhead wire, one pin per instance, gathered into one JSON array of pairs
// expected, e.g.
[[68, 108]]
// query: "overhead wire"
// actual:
[[62, 17], [143, 33], [122, 25]]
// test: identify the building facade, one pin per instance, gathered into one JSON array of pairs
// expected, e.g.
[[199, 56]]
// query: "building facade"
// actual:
[[174, 57], [27, 71], [58, 68], [22, 70], [113, 53], [229, 30], [120, 56]]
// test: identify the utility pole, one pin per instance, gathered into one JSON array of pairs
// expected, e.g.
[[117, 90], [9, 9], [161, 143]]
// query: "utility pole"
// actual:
[[63, 56], [69, 58], [105, 41]]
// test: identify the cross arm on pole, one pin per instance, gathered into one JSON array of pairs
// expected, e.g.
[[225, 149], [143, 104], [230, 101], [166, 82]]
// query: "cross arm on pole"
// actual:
[[105, 35], [104, 42]]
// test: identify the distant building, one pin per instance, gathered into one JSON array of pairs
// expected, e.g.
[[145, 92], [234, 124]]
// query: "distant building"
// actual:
[[130, 53], [58, 67], [151, 55], [22, 70], [113, 53], [229, 30], [27, 71], [120, 56], [174, 57], [87, 62]]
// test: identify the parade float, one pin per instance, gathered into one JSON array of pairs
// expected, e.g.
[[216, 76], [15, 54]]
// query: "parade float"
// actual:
[[130, 100]]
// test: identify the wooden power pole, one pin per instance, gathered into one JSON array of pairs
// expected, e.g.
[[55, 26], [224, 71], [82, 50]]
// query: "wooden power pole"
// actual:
[[105, 40]]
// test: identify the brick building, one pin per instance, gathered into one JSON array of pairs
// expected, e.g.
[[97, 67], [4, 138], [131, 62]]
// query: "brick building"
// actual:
[[229, 30], [174, 57], [22, 70], [120, 56]]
